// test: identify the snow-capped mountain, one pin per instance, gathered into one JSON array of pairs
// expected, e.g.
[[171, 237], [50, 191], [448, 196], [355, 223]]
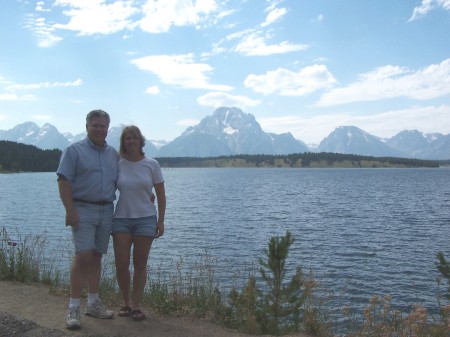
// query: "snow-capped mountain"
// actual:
[[353, 140], [46, 137], [419, 145], [230, 131], [406, 144]]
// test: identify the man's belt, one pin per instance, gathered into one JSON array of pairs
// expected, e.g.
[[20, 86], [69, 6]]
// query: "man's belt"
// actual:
[[100, 202]]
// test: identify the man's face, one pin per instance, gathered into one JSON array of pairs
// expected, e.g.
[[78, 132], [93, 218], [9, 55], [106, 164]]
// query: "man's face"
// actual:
[[97, 130]]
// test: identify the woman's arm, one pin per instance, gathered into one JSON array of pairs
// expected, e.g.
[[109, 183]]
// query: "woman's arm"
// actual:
[[161, 200]]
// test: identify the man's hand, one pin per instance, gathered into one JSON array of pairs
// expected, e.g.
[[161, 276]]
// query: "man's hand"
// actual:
[[72, 218]]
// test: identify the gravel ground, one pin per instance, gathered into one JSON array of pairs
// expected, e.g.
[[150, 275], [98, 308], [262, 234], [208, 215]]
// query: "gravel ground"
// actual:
[[11, 326]]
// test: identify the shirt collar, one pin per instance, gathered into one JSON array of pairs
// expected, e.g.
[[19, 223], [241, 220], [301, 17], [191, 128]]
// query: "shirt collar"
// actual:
[[91, 143]]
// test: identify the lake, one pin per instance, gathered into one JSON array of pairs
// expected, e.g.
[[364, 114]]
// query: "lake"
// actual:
[[361, 231]]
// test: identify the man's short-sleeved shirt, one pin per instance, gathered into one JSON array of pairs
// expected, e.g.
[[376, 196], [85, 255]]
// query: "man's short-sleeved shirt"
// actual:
[[92, 172]]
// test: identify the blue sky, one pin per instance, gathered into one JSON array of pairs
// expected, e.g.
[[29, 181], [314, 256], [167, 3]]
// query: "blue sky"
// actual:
[[299, 66]]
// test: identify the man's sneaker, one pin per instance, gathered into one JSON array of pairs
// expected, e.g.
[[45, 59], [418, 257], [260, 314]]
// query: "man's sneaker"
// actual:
[[98, 310], [73, 318]]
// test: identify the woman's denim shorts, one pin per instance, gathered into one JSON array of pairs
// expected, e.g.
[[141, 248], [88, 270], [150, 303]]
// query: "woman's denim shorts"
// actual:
[[137, 226]]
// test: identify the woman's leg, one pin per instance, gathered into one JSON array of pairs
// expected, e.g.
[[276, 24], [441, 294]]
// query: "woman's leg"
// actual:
[[141, 250], [122, 246]]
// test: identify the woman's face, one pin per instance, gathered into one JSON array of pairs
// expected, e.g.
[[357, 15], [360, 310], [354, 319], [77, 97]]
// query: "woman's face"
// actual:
[[132, 143]]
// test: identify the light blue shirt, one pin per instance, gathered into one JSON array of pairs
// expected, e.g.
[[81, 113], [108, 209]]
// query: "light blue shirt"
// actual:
[[92, 172]]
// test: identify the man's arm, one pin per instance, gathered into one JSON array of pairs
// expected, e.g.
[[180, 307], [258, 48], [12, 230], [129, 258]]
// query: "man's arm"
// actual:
[[65, 193]]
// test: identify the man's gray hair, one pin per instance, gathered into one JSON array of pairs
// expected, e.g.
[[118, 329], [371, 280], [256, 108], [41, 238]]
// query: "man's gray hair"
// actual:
[[96, 114]]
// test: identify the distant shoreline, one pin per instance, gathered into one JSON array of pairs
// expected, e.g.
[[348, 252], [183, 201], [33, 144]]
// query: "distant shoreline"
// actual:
[[299, 160]]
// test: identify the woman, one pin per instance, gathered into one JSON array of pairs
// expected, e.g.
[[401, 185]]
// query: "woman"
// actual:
[[136, 221]]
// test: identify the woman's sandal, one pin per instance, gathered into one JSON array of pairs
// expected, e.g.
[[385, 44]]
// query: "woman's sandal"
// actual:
[[137, 315], [125, 311]]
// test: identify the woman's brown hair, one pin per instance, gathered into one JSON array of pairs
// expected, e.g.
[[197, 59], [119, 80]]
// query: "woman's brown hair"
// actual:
[[134, 131]]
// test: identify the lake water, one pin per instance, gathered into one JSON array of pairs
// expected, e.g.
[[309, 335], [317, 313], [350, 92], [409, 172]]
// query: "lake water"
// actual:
[[361, 231]]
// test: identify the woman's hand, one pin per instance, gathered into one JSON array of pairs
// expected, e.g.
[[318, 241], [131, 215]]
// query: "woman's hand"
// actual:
[[160, 228]]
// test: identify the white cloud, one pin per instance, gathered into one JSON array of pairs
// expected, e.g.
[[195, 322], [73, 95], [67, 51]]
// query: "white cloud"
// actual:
[[12, 88], [44, 32], [254, 44], [96, 16], [160, 16], [153, 90], [108, 17], [90, 17], [445, 4], [274, 15], [392, 81], [256, 41], [427, 6], [14, 97], [8, 97], [102, 17], [180, 70], [46, 85], [288, 83], [40, 7], [218, 99]]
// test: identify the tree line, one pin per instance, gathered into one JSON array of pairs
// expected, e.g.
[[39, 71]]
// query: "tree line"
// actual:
[[298, 160], [18, 157]]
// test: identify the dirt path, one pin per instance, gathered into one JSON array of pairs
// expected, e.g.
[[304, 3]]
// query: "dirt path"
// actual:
[[31, 311], [36, 304]]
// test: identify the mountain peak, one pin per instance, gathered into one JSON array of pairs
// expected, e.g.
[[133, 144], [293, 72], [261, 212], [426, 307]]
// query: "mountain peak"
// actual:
[[232, 119], [353, 140], [236, 131]]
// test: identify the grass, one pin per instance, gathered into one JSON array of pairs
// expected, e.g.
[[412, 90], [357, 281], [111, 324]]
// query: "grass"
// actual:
[[267, 302]]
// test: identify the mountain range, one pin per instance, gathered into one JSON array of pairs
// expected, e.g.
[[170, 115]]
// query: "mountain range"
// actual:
[[230, 131]]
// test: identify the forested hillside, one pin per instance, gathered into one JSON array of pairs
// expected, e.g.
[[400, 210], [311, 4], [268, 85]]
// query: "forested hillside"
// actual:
[[18, 157], [304, 160]]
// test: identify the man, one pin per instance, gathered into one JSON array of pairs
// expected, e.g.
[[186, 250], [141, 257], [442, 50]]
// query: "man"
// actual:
[[87, 176]]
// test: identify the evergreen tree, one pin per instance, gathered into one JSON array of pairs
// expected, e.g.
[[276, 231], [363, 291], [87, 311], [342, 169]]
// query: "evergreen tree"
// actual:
[[444, 268], [280, 307], [282, 304]]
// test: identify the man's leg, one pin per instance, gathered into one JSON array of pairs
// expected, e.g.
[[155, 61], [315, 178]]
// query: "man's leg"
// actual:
[[79, 273]]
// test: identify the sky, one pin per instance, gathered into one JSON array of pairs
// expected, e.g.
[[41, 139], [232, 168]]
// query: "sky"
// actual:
[[299, 66]]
